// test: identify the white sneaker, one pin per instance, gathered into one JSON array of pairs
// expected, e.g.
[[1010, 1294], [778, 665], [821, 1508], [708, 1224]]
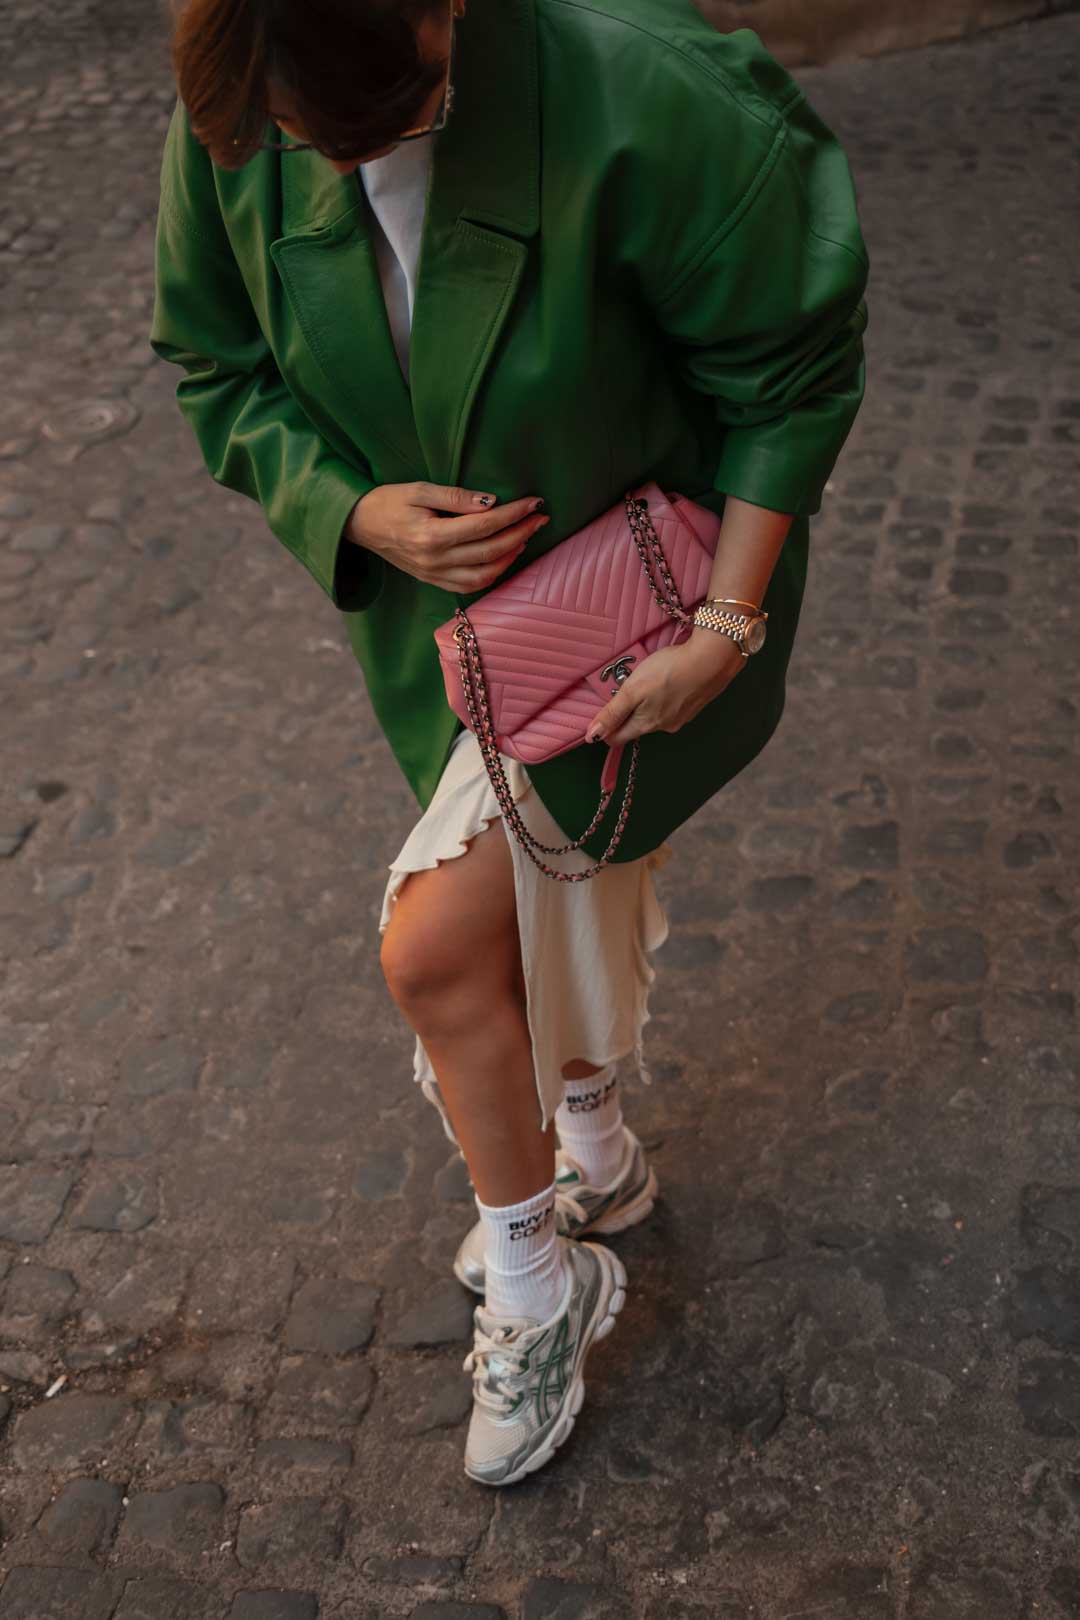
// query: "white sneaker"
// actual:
[[527, 1375]]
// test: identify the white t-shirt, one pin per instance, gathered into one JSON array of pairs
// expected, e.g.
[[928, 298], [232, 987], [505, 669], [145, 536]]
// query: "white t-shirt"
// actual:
[[396, 187]]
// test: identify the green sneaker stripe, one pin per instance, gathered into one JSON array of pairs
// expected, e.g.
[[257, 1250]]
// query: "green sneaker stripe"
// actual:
[[553, 1372], [541, 1388]]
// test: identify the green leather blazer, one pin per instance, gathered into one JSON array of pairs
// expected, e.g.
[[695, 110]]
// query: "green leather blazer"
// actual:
[[641, 259]]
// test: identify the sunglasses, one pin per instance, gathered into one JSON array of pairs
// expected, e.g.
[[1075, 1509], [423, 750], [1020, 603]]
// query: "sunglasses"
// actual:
[[342, 155]]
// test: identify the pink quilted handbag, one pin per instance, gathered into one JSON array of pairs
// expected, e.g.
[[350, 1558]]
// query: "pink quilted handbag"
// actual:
[[558, 634]]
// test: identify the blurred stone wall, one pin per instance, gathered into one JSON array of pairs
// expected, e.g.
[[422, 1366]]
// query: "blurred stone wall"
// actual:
[[805, 31]]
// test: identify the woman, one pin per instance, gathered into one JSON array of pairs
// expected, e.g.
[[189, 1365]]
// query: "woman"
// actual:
[[420, 271]]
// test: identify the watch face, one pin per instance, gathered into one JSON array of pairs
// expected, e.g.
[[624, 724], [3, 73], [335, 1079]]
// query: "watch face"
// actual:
[[755, 636]]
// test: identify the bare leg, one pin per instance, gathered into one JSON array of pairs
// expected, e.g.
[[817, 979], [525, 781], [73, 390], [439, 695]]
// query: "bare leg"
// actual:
[[578, 1069], [452, 959]]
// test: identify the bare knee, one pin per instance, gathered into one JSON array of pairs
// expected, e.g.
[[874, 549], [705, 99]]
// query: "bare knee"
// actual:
[[413, 972], [441, 988], [447, 956]]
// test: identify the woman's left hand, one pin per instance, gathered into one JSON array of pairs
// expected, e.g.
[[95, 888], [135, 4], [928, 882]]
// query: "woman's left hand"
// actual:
[[669, 688]]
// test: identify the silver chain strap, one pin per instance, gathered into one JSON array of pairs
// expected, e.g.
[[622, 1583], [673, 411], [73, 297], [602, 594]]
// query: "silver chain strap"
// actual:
[[474, 686]]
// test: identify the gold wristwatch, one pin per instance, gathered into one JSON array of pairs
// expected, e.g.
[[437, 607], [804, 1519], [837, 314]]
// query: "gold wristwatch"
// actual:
[[747, 630]]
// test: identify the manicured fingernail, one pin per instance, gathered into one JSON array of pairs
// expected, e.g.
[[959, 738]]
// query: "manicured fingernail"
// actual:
[[484, 500], [536, 505], [593, 733]]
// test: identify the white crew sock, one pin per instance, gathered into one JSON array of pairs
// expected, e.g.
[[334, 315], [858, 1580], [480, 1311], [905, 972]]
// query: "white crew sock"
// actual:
[[523, 1268], [589, 1121]]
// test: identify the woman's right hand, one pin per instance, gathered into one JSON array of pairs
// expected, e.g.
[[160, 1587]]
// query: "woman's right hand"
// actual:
[[460, 553]]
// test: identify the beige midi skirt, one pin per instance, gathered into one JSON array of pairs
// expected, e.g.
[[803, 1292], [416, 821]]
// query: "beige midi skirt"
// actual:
[[584, 946]]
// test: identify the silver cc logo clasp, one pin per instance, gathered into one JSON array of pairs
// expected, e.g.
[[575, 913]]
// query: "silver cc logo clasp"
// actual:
[[618, 670]]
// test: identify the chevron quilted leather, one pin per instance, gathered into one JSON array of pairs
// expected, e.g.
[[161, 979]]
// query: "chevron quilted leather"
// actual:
[[546, 635]]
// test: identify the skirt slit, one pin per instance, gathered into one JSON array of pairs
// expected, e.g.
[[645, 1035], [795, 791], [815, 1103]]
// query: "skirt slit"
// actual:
[[585, 947]]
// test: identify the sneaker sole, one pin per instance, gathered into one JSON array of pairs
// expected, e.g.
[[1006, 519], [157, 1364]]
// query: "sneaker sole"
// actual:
[[611, 1303], [617, 1220]]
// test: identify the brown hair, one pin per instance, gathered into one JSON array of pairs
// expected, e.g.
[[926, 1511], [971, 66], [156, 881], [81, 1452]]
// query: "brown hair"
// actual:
[[352, 69]]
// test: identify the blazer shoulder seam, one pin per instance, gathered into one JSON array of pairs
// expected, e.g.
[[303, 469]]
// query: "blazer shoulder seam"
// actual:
[[861, 259], [748, 197], [755, 106], [730, 220]]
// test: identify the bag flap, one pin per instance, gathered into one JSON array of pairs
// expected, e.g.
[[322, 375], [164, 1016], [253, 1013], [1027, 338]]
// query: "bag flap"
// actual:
[[582, 604]]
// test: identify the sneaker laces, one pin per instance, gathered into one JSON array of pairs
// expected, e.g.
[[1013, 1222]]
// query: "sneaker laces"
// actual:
[[566, 1201], [491, 1351]]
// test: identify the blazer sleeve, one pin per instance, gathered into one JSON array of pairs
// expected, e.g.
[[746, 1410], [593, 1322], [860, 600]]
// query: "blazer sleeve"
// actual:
[[253, 435], [766, 317]]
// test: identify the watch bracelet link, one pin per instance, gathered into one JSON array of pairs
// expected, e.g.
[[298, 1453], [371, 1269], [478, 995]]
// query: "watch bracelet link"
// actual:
[[709, 615], [726, 624]]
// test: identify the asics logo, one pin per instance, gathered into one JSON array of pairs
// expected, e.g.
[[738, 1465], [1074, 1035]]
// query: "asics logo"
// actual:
[[530, 1224]]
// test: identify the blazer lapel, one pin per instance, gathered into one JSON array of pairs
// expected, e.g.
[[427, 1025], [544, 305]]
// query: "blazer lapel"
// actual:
[[331, 276], [482, 209]]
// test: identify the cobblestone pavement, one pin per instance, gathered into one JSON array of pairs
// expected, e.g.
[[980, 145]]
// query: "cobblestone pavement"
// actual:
[[846, 1383]]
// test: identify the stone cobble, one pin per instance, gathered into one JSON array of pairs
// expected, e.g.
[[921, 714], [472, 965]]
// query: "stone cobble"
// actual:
[[846, 1384]]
